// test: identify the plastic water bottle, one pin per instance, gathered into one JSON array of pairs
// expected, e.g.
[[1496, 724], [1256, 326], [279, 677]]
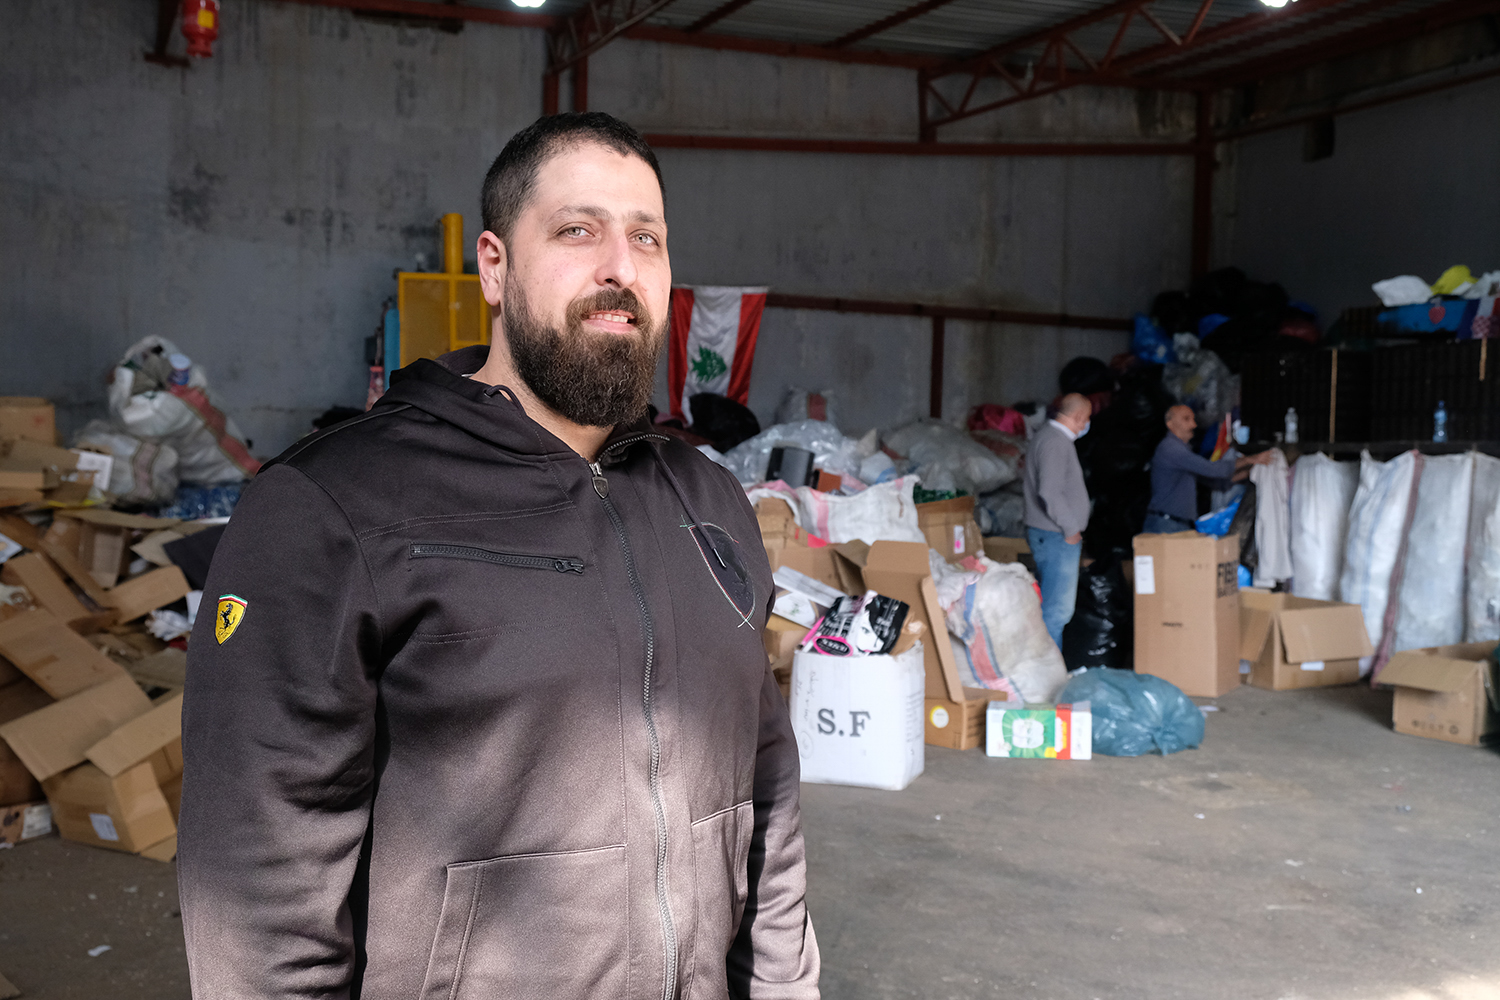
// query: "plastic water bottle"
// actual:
[[1291, 425], [182, 368], [1440, 422]]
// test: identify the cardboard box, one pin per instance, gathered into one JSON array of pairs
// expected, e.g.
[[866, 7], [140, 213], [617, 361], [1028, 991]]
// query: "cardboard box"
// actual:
[[104, 537], [60, 660], [1297, 642], [1050, 732], [154, 737], [22, 531], [28, 418], [147, 592], [19, 697], [858, 719], [778, 526], [957, 725], [1187, 611], [47, 587], [24, 821], [127, 812], [1449, 693], [950, 528], [900, 570], [1006, 550], [54, 738]]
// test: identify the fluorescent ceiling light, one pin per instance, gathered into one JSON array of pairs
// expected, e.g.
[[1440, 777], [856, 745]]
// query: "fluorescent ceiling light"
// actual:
[[538, 3], [1268, 3]]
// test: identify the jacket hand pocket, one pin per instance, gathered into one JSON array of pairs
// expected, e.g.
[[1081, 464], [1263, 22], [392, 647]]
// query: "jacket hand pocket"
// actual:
[[531, 926], [721, 851]]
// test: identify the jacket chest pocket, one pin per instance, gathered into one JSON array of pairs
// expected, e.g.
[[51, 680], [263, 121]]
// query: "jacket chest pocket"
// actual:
[[532, 927], [465, 589]]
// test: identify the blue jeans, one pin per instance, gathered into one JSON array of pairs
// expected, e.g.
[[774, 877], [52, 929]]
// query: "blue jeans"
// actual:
[[1165, 524], [1057, 569]]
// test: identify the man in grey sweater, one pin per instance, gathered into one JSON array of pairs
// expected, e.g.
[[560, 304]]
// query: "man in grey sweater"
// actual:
[[1057, 509]]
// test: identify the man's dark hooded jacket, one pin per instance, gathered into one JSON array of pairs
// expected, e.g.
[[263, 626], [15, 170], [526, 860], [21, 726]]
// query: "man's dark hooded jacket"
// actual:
[[492, 724]]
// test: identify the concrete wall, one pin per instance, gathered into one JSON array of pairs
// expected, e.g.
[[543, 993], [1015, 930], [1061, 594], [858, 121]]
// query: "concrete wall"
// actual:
[[252, 208], [1411, 188]]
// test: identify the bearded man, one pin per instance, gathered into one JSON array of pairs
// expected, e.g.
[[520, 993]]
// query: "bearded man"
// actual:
[[485, 712]]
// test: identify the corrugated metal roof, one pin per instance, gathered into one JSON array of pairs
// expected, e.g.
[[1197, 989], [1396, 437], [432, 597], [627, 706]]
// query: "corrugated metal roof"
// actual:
[[963, 28]]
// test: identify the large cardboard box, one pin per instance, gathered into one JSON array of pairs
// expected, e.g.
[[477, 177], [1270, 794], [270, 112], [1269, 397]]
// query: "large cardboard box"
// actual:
[[900, 570], [1049, 732], [1297, 642], [950, 528], [54, 738], [858, 719], [28, 418], [1449, 693], [127, 812], [154, 737], [1187, 611]]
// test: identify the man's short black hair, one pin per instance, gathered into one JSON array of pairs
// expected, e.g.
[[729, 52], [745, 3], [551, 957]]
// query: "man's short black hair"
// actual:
[[508, 185]]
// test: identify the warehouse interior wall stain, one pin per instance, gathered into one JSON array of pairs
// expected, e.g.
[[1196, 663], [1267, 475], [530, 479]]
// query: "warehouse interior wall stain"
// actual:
[[253, 208]]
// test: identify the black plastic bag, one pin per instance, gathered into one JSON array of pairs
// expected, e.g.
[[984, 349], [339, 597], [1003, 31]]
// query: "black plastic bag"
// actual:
[[1086, 375], [1102, 632], [722, 420]]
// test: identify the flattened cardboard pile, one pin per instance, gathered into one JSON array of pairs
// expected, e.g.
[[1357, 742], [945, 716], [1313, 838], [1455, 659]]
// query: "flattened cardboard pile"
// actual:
[[82, 743]]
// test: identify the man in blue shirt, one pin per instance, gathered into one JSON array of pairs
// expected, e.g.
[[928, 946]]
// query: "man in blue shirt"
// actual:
[[1176, 469]]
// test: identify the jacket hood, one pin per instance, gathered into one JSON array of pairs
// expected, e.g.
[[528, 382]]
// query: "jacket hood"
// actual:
[[491, 413]]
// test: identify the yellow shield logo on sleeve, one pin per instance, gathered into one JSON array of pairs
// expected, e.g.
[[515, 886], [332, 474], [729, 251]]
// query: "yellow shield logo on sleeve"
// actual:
[[230, 613]]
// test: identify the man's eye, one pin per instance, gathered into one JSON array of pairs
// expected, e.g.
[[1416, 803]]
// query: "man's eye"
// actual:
[[575, 231], [645, 238]]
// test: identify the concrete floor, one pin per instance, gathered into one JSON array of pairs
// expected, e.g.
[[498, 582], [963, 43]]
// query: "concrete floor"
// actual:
[[1281, 860]]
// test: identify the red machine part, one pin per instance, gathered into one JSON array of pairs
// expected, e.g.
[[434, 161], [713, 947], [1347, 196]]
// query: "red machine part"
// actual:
[[200, 26]]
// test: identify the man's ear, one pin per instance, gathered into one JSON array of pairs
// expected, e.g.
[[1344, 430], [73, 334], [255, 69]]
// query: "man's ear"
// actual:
[[493, 260]]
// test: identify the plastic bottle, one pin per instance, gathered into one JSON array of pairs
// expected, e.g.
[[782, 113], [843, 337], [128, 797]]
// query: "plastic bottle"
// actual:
[[1440, 422], [182, 368], [1291, 425]]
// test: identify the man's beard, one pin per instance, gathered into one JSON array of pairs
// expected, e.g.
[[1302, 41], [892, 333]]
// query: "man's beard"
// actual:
[[597, 380]]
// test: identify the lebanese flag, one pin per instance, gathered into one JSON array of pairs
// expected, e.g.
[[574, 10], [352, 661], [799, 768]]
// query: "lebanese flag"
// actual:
[[714, 329]]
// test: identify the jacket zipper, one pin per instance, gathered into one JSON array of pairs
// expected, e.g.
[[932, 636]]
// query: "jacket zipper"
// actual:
[[664, 907], [443, 550]]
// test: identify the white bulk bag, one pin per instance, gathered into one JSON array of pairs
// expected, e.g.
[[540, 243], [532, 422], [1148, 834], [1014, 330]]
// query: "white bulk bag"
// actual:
[[1322, 491], [1376, 539], [1482, 568], [210, 448], [1430, 611], [143, 472]]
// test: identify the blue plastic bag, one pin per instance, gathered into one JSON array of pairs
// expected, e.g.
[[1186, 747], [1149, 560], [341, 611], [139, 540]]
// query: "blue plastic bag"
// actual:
[[1135, 713], [1149, 343], [1217, 522]]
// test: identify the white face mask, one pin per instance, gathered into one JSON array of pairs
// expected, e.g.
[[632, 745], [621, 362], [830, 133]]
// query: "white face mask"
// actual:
[[1087, 424]]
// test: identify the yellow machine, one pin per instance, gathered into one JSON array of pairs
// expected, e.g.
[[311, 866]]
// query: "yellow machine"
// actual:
[[441, 312]]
